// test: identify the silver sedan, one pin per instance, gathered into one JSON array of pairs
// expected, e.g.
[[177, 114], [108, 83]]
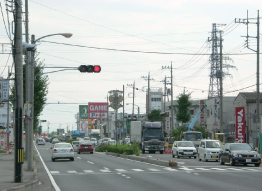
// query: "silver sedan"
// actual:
[[63, 151]]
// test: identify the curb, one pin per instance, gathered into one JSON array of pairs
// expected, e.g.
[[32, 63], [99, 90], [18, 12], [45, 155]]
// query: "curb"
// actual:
[[144, 159], [27, 186]]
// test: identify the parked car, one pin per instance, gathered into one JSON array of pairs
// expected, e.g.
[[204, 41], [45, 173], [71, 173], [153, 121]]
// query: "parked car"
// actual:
[[41, 141], [94, 141], [239, 153], [100, 142], [184, 149], [209, 149], [87, 139], [85, 147], [63, 151], [75, 145]]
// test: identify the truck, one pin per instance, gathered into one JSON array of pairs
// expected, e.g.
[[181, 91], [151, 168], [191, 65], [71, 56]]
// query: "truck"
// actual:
[[149, 134], [194, 136], [95, 133], [75, 134]]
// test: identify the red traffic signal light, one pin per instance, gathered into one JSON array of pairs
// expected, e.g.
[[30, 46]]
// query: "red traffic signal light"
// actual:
[[97, 68], [89, 68]]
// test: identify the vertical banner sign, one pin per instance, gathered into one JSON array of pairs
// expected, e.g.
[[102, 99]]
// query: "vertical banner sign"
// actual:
[[97, 110], [83, 117], [240, 124]]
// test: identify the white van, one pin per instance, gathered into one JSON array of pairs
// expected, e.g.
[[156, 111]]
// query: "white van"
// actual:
[[209, 149]]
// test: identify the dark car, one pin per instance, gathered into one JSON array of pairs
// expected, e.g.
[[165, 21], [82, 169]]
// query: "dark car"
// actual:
[[239, 153], [85, 147]]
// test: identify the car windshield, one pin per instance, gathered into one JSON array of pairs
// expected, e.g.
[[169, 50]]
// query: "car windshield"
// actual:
[[62, 145], [75, 142], [93, 139], [185, 144], [241, 146], [213, 144], [192, 136]]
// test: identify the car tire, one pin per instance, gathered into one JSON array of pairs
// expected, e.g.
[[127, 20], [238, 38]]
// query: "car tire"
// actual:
[[205, 159], [257, 165], [231, 162], [78, 152], [221, 162], [177, 155], [173, 156], [161, 152], [199, 159], [91, 152], [143, 151], [53, 159], [194, 157], [72, 159]]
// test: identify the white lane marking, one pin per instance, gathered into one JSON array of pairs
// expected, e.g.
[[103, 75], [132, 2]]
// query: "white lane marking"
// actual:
[[120, 170], [123, 175], [153, 169], [180, 162], [90, 162], [71, 171], [202, 168], [218, 168], [170, 169], [196, 173], [185, 168], [105, 170], [128, 177], [138, 170], [78, 157], [234, 169], [48, 173], [88, 171], [54, 172]]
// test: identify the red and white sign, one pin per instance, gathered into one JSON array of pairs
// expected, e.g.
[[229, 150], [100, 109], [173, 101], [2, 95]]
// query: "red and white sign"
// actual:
[[240, 124], [97, 110]]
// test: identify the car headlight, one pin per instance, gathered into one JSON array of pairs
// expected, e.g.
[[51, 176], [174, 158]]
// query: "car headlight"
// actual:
[[255, 155], [180, 150], [235, 155], [209, 152]]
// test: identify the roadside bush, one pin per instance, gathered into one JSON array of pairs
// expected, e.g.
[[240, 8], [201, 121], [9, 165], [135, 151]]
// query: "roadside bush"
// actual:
[[120, 149]]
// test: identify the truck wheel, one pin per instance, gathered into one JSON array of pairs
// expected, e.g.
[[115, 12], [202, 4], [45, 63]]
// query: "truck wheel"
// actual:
[[143, 151], [173, 156], [161, 152]]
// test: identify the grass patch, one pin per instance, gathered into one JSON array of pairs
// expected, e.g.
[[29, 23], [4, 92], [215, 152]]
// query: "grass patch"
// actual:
[[1, 151]]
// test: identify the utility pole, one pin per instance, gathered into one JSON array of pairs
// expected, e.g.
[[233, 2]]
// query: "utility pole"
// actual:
[[124, 110], [221, 83], [18, 52], [133, 110], [247, 22], [172, 105], [148, 94]]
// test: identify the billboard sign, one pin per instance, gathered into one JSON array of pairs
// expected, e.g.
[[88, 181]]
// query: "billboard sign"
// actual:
[[97, 110], [83, 111], [4, 89], [240, 124]]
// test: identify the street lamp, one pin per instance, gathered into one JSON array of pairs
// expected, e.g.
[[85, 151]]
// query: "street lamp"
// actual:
[[30, 75], [138, 111]]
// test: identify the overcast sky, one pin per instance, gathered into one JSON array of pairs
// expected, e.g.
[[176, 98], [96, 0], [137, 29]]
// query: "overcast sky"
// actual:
[[175, 31]]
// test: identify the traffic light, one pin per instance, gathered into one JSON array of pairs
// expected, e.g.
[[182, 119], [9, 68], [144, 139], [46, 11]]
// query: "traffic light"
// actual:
[[89, 68]]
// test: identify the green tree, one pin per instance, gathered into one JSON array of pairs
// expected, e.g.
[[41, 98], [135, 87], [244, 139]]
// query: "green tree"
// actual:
[[203, 130], [155, 115], [40, 91], [177, 132], [183, 105]]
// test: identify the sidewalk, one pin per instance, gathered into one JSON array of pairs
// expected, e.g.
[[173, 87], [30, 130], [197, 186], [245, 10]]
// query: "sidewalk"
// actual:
[[31, 180]]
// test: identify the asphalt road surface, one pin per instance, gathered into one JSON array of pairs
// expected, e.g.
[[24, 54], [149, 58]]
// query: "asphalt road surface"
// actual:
[[104, 172]]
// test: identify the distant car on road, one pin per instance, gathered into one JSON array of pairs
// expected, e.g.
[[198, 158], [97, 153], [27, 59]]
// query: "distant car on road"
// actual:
[[111, 142], [63, 151], [54, 141], [41, 141], [239, 153], [209, 149], [184, 149], [94, 141], [85, 147], [75, 145]]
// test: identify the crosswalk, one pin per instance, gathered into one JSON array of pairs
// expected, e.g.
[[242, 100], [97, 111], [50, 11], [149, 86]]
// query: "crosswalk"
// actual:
[[165, 169]]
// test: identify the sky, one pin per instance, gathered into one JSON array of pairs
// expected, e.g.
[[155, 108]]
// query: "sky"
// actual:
[[131, 39]]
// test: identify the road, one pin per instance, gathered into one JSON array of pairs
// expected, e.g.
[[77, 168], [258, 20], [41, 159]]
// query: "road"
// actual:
[[104, 172]]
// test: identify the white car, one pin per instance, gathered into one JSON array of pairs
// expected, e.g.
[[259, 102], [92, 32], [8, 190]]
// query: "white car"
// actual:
[[111, 142], [94, 141], [75, 145], [63, 151], [209, 150], [41, 141], [184, 149]]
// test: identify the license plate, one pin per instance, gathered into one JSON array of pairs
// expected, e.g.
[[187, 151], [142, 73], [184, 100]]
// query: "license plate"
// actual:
[[188, 153], [214, 157], [248, 160], [86, 147]]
